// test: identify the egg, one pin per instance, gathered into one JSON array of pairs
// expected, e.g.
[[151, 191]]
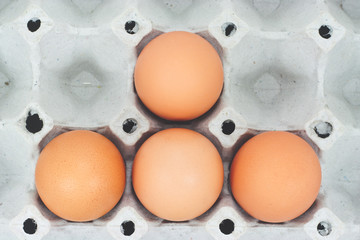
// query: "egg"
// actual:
[[80, 175], [178, 76], [275, 176], [177, 174]]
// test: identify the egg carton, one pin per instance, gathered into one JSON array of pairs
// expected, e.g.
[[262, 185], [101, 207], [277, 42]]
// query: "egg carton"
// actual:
[[288, 65]]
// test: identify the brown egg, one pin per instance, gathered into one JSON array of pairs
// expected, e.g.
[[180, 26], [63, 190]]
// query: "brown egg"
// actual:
[[80, 175], [179, 76], [275, 176], [177, 174]]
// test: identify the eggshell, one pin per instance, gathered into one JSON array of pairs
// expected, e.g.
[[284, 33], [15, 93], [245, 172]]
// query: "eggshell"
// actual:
[[177, 174], [275, 176], [80, 175], [179, 76]]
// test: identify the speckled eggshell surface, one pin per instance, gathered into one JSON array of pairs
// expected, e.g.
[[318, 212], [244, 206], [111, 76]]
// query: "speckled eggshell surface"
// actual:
[[80, 175]]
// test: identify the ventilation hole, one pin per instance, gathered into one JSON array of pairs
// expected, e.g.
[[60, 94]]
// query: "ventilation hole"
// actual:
[[324, 228], [130, 125], [227, 226], [325, 31], [33, 123], [29, 226], [131, 27], [33, 24], [323, 129], [127, 228], [228, 29], [228, 127]]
